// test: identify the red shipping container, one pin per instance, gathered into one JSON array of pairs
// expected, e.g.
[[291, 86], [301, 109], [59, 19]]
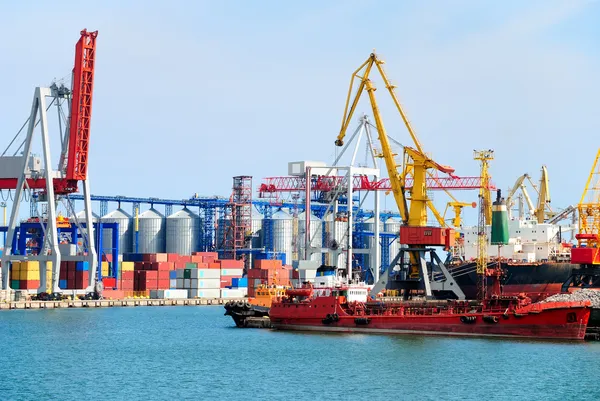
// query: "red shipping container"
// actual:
[[150, 266], [173, 257], [151, 284], [71, 266], [113, 294], [63, 274], [226, 281], [185, 259], [164, 274], [71, 275], [231, 264], [163, 266], [138, 265], [202, 265], [107, 258], [180, 265], [214, 265], [127, 275], [109, 282], [152, 275], [127, 285], [146, 257], [251, 291], [196, 259], [253, 273], [163, 284]]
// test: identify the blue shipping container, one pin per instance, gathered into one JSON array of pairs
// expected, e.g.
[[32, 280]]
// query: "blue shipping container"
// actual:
[[173, 274], [243, 282], [82, 266], [62, 284]]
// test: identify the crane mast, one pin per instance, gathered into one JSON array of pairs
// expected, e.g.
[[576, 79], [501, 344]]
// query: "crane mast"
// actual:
[[484, 157]]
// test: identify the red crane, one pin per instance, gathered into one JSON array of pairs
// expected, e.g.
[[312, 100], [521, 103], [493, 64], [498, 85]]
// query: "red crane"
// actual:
[[79, 122], [275, 185]]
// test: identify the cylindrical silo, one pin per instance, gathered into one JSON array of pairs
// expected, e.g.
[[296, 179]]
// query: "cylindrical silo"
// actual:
[[125, 229], [283, 234], [392, 226], [151, 232], [340, 240], [257, 225], [316, 237], [183, 231], [369, 241], [79, 218]]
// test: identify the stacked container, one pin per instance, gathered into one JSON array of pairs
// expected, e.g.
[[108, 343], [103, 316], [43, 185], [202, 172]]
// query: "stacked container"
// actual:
[[74, 275], [267, 272]]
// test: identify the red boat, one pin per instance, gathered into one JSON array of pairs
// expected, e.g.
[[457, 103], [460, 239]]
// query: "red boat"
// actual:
[[346, 308]]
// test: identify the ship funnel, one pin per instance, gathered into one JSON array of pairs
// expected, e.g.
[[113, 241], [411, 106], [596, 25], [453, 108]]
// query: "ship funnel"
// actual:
[[499, 221]]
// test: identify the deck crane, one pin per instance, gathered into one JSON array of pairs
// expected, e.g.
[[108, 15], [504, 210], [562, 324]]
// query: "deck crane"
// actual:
[[543, 210], [407, 274], [519, 184], [587, 252], [26, 173]]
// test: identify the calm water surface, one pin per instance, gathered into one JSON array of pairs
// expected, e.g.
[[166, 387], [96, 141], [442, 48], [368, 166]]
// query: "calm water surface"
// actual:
[[195, 353]]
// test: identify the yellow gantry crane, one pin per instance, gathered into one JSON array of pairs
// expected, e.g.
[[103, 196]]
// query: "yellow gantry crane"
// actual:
[[416, 164]]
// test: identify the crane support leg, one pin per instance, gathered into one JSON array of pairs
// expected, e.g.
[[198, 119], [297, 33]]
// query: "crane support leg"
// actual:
[[92, 254]]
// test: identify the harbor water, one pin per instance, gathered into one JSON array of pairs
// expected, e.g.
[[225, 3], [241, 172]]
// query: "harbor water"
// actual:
[[196, 353]]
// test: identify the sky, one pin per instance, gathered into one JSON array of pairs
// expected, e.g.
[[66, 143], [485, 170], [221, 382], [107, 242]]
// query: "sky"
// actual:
[[189, 94]]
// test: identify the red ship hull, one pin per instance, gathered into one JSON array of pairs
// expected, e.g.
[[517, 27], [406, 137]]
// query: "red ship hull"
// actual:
[[564, 320]]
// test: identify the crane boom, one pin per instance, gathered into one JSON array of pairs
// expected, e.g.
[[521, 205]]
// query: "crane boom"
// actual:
[[81, 106], [543, 198]]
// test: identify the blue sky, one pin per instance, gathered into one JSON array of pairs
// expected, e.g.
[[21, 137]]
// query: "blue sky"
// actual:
[[191, 93]]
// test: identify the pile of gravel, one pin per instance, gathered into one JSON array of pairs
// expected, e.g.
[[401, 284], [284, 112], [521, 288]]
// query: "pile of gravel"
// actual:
[[580, 295]]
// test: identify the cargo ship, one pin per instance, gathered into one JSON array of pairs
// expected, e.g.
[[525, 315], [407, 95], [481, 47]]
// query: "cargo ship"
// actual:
[[536, 260], [332, 306]]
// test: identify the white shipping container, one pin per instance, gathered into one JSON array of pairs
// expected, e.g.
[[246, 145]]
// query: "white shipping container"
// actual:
[[168, 294], [180, 283], [187, 283], [232, 272], [205, 293], [209, 273], [209, 283], [173, 283], [179, 273], [231, 293]]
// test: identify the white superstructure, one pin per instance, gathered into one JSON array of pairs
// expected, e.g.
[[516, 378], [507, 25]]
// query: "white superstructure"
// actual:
[[529, 241]]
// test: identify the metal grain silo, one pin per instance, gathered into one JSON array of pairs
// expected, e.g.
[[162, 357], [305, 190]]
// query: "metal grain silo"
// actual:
[[183, 231], [257, 227], [340, 239], [125, 231], [392, 226], [283, 230], [152, 232], [316, 235], [369, 242], [79, 218]]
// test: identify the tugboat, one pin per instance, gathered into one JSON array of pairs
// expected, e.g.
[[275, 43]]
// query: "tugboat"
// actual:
[[332, 305], [256, 307]]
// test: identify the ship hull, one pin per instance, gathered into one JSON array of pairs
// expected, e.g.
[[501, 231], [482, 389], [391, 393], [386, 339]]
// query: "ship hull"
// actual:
[[242, 311], [538, 280], [558, 321]]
